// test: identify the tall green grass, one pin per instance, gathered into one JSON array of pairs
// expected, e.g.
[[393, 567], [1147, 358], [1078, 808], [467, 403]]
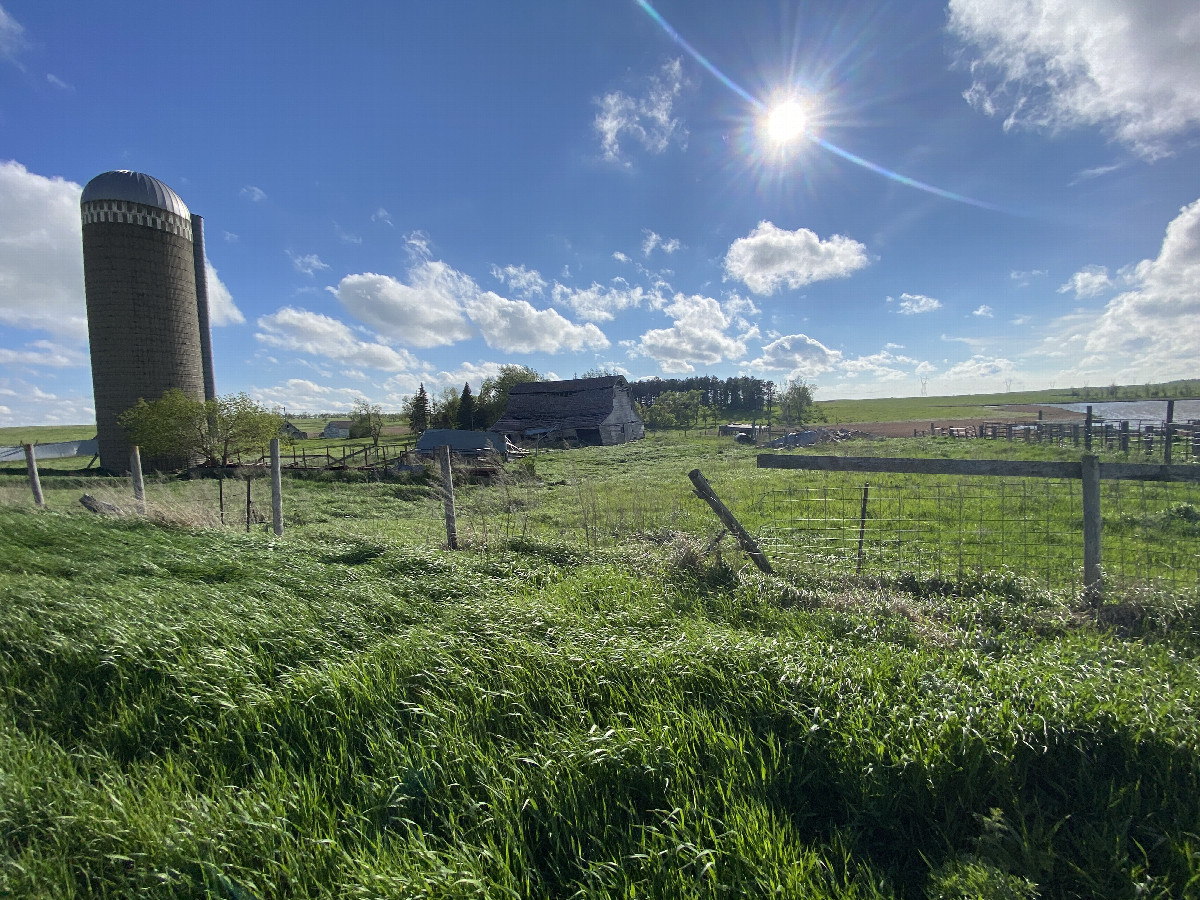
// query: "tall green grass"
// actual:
[[204, 713]]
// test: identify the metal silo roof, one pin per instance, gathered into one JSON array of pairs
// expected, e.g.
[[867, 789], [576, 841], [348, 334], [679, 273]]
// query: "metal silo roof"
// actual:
[[136, 188]]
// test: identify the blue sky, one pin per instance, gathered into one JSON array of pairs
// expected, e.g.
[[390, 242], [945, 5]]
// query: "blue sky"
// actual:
[[405, 193]]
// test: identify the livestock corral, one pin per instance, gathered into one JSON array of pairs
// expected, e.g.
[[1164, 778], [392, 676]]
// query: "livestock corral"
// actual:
[[601, 693]]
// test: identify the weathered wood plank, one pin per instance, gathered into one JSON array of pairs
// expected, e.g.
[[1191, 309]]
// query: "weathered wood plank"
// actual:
[[1009, 468], [705, 492]]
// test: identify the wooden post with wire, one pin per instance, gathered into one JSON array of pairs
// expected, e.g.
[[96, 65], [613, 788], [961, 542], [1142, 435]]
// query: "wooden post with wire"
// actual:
[[135, 475], [35, 481], [276, 488], [705, 492], [448, 497]]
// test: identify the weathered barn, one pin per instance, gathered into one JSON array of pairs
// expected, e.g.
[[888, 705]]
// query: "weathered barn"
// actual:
[[588, 410], [337, 428]]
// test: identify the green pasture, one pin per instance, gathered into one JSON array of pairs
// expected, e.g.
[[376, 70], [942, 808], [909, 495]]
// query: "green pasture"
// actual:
[[589, 700]]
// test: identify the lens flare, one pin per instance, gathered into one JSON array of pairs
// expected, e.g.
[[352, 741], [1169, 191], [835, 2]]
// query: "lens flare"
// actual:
[[788, 121]]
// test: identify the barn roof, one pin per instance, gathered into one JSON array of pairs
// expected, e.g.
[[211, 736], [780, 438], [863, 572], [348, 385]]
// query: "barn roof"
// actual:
[[553, 405]]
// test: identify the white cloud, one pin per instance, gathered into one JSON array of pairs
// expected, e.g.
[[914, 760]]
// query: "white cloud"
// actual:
[[44, 353], [516, 326], [1023, 279], [221, 308], [12, 37], [302, 394], [797, 354], [1130, 67], [882, 366], [1089, 281], [382, 215], [525, 282], [770, 257], [306, 264], [916, 304], [978, 367], [256, 194], [620, 257], [601, 304], [426, 313], [320, 335], [652, 240], [346, 237], [647, 119], [41, 256], [697, 336], [230, 237], [984, 311], [1154, 329], [59, 83]]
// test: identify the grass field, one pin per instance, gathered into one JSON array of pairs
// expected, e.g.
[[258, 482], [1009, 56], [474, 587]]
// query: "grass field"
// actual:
[[582, 703]]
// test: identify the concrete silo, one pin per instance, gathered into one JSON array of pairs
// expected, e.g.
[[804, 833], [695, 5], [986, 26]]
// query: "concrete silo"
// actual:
[[144, 279]]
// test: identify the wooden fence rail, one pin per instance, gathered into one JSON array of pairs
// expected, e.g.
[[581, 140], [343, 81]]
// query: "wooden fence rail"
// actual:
[[1089, 470]]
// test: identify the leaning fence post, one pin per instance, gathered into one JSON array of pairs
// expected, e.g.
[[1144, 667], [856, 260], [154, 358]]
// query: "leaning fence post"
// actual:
[[1092, 579], [276, 488], [705, 492], [35, 482], [448, 497], [135, 474]]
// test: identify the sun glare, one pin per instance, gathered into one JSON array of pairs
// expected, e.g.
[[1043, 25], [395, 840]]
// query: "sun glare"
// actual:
[[786, 122]]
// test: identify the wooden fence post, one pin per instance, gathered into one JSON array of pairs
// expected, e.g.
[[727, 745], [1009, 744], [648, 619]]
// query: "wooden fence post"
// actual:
[[862, 525], [705, 492], [135, 473], [1093, 587], [276, 488], [448, 497], [247, 502], [35, 481], [1087, 431]]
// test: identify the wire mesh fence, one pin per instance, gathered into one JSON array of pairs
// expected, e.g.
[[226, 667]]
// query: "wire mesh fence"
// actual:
[[966, 528]]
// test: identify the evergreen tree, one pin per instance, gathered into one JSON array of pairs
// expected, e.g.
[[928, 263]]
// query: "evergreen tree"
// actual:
[[418, 411], [466, 408]]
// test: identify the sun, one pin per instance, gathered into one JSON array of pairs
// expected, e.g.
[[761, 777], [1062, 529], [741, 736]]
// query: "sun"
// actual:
[[787, 121]]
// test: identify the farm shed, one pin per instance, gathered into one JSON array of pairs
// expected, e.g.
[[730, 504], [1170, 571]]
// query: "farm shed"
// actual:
[[287, 429], [464, 443], [588, 410], [338, 428]]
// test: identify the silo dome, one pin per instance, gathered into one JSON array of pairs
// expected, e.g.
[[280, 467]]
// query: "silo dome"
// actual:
[[134, 187]]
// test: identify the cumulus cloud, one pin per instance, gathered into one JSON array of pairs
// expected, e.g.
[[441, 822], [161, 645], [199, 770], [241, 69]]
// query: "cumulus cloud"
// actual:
[[882, 366], [978, 367], [915, 304], [302, 394], [221, 308], [306, 264], [525, 282], [770, 257], [601, 304], [427, 312], [320, 335], [620, 257], [984, 311], [652, 240], [255, 194], [1129, 67], [648, 119], [516, 326], [1155, 327], [41, 255], [1089, 281], [797, 354], [698, 336], [44, 353]]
